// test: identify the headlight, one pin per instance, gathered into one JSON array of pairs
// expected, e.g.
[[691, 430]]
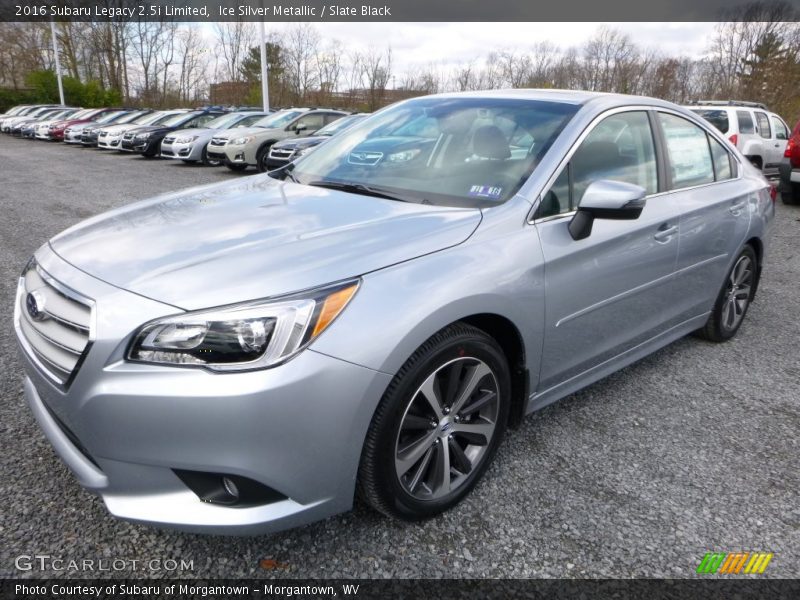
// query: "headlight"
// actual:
[[142, 136], [242, 337], [242, 140], [186, 140], [403, 156]]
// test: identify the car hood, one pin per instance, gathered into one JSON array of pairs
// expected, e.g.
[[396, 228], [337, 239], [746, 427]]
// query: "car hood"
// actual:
[[244, 131], [148, 129], [255, 238], [200, 132], [306, 142]]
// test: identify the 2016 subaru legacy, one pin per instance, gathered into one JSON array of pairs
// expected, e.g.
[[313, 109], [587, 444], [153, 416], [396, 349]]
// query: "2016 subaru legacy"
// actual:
[[251, 355]]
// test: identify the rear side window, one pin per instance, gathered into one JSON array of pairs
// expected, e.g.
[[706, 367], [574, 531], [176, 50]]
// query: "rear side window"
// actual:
[[722, 160], [745, 122], [688, 152], [763, 125], [718, 118]]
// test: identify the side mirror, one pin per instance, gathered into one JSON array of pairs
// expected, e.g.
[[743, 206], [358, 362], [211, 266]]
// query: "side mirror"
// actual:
[[606, 199], [299, 128]]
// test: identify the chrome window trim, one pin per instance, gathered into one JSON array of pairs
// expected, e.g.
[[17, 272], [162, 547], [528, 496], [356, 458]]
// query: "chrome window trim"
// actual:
[[692, 118]]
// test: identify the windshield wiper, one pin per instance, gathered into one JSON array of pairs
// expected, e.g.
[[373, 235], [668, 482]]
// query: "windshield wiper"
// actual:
[[357, 188]]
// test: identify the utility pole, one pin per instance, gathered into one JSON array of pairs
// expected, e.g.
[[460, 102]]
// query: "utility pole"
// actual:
[[264, 73], [58, 62]]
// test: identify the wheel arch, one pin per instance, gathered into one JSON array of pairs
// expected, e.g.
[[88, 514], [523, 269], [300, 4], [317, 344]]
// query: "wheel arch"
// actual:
[[509, 338]]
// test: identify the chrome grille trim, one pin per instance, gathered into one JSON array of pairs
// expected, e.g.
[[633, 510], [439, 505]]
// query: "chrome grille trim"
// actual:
[[58, 343]]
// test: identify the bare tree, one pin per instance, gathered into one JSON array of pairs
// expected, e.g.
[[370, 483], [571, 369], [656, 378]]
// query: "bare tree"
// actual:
[[376, 72], [234, 40], [301, 47]]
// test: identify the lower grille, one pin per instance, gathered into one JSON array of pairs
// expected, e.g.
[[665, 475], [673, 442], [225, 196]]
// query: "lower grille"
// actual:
[[55, 323]]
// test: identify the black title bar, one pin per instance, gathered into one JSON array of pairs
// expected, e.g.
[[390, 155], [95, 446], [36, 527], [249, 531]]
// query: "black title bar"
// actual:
[[399, 10]]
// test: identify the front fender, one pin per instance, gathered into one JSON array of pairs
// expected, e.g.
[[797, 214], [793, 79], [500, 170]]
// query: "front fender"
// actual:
[[398, 308]]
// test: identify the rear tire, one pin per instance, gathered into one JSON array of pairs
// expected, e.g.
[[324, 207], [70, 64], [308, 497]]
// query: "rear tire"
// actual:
[[438, 426], [733, 300]]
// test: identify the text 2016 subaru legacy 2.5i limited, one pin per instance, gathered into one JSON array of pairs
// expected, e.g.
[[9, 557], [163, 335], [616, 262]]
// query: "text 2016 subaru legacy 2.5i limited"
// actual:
[[369, 320]]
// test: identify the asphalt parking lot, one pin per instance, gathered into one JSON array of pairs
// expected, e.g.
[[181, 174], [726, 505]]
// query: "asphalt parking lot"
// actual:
[[694, 449]]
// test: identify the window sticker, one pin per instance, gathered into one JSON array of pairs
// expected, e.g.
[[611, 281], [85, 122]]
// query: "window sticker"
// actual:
[[486, 191]]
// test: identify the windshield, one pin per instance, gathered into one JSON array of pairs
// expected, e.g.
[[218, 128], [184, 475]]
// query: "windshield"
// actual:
[[340, 124], [224, 121], [129, 118], [150, 118], [177, 119], [452, 151], [279, 119], [718, 118], [110, 116]]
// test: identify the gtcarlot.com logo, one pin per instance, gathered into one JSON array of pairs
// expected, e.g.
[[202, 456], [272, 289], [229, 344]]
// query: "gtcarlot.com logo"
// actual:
[[46, 562]]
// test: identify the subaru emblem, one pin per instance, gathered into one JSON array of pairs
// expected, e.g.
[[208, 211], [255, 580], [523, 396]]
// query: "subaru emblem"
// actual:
[[34, 302]]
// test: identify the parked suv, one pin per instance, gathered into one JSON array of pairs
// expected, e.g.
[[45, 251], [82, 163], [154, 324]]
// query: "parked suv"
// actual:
[[243, 148], [790, 169], [367, 321], [286, 151], [750, 127], [189, 145]]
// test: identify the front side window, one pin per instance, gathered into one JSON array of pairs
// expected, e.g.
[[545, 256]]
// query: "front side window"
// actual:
[[745, 122], [688, 152], [619, 148], [460, 151], [781, 132], [309, 122], [763, 125]]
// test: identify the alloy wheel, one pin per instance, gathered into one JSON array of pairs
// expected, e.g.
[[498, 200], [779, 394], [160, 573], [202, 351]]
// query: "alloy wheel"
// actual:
[[740, 283], [447, 428]]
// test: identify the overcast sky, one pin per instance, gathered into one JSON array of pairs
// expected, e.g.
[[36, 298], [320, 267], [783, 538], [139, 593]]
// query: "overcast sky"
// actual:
[[419, 44]]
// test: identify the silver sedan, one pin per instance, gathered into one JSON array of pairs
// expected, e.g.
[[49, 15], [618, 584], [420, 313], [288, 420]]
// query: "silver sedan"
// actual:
[[370, 319]]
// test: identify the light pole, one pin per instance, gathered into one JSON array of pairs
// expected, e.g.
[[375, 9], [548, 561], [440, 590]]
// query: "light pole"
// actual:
[[58, 62], [264, 74]]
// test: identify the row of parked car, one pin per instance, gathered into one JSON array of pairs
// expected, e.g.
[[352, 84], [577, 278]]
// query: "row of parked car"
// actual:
[[244, 137], [236, 137]]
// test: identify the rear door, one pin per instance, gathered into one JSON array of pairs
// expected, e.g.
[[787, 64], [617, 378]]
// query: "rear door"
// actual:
[[612, 290], [704, 186], [767, 134]]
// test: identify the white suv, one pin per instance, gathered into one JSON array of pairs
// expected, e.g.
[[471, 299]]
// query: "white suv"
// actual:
[[758, 134]]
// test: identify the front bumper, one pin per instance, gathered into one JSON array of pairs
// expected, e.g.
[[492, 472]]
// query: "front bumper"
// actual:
[[123, 428], [72, 137], [181, 151], [110, 141]]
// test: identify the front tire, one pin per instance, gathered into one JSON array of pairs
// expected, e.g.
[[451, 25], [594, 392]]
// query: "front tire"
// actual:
[[790, 195], [733, 300], [209, 162], [438, 425], [261, 159]]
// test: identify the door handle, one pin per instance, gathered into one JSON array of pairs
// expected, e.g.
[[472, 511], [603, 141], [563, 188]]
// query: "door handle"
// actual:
[[737, 208], [665, 232]]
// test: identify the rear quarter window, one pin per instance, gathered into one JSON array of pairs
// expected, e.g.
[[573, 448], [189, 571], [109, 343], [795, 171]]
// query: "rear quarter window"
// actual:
[[718, 118]]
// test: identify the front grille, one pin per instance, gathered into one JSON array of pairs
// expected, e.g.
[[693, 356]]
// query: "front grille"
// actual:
[[102, 134], [218, 141], [169, 140], [280, 153], [54, 322], [128, 136]]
